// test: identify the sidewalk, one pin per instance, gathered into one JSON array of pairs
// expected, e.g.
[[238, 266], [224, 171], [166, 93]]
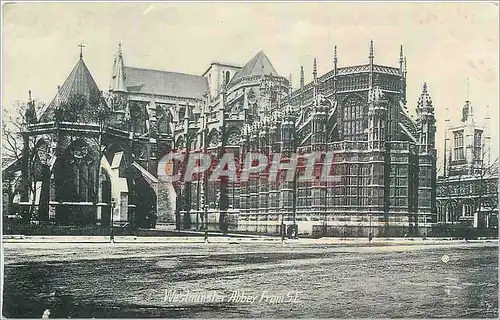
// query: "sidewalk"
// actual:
[[237, 239]]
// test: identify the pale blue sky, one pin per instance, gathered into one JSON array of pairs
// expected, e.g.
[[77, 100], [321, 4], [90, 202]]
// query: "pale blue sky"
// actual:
[[444, 43]]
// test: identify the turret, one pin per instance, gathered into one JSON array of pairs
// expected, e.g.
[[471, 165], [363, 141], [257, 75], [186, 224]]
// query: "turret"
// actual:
[[426, 122], [287, 132], [320, 106], [377, 119], [30, 114], [426, 134]]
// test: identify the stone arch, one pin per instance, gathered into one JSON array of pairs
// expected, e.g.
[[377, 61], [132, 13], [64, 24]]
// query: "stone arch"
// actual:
[[75, 182], [452, 212], [76, 169], [104, 216], [164, 119], [440, 212], [193, 141], [138, 116], [111, 147], [393, 112], [40, 176], [468, 207], [180, 143]]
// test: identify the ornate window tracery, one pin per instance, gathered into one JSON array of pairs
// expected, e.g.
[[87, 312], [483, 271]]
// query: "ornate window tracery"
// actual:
[[353, 118], [77, 171]]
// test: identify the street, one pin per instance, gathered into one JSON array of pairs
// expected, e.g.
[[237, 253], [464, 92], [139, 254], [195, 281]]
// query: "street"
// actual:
[[250, 280]]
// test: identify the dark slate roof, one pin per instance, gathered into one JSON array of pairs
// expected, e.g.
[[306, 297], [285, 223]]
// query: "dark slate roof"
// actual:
[[79, 81], [258, 65], [165, 83]]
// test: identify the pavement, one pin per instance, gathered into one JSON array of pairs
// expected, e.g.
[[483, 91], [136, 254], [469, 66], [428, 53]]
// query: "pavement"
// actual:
[[238, 239]]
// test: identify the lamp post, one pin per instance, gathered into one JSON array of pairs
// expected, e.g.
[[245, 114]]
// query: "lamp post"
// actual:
[[370, 234], [205, 174], [282, 222], [111, 235]]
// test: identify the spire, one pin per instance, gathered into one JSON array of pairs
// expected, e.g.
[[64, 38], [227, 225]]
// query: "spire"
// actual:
[[30, 114], [315, 78], [118, 83], [424, 104], [371, 56], [401, 58], [301, 77], [290, 87], [335, 57], [315, 69], [120, 55]]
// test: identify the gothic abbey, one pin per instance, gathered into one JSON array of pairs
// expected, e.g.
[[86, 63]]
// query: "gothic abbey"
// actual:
[[97, 153]]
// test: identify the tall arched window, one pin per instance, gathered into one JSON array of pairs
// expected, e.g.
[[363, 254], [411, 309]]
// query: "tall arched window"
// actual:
[[353, 125], [164, 120], [226, 77], [76, 174], [138, 117]]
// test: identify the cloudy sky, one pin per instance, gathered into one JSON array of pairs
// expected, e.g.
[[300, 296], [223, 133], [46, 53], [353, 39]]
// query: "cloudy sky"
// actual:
[[445, 43]]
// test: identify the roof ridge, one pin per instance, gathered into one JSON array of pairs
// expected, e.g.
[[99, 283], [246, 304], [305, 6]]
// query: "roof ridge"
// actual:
[[166, 71]]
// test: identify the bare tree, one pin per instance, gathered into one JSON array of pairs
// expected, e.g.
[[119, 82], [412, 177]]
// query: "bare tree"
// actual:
[[17, 149]]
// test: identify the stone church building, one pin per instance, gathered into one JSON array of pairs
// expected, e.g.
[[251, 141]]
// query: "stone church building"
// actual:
[[97, 152]]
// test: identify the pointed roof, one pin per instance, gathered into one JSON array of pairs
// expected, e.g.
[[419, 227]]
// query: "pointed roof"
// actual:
[[424, 104], [118, 84], [79, 81], [258, 65]]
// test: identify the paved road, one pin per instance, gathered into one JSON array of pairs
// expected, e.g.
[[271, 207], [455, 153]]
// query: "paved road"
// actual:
[[251, 280]]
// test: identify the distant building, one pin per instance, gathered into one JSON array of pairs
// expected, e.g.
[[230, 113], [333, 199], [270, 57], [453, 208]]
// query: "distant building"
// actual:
[[99, 152], [468, 190]]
